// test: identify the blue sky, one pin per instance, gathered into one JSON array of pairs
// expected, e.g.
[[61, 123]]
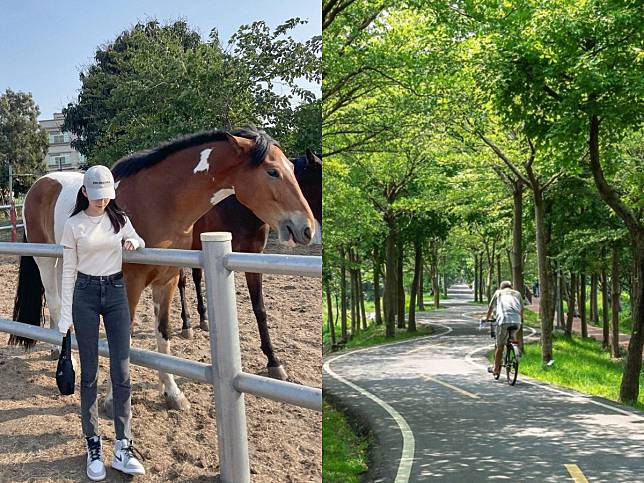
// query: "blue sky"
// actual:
[[45, 44]]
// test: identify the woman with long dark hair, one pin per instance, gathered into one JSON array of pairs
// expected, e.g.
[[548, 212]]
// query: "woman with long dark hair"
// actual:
[[93, 239]]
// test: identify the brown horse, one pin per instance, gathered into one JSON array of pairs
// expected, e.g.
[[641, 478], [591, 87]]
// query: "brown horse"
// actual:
[[164, 192], [250, 235]]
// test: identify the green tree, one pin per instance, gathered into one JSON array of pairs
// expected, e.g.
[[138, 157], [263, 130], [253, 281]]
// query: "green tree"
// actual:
[[22, 142], [573, 74], [155, 82]]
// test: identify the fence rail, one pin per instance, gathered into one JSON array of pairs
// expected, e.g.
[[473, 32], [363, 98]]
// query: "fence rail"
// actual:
[[225, 374]]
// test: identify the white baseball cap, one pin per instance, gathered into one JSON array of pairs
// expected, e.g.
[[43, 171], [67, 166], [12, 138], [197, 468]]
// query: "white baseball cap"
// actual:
[[99, 183]]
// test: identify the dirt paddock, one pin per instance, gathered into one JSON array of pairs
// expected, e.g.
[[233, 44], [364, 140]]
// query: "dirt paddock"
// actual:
[[40, 431]]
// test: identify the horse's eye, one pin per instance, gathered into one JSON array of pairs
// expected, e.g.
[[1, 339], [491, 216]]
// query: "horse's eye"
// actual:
[[274, 173]]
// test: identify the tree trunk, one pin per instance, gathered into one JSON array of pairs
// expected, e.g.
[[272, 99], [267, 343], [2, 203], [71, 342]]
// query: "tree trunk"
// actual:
[[560, 295], [517, 238], [605, 309], [481, 277], [434, 274], [418, 268], [546, 306], [391, 290], [376, 284], [490, 271], [614, 275], [343, 294], [476, 278], [582, 305], [594, 316], [629, 389], [498, 271], [571, 304], [329, 311], [355, 315], [361, 293], [445, 285], [421, 284], [401, 288]]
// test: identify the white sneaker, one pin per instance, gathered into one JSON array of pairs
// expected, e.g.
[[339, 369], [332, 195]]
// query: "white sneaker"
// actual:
[[95, 466], [125, 460]]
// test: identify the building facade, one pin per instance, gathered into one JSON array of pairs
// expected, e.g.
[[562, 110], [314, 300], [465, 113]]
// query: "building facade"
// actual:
[[61, 156]]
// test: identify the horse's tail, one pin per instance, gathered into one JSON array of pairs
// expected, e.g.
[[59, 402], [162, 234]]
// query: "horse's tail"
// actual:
[[30, 295]]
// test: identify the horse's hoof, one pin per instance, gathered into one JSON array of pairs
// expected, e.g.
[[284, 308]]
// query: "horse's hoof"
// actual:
[[277, 372], [203, 324], [177, 402], [108, 408], [186, 333], [55, 354]]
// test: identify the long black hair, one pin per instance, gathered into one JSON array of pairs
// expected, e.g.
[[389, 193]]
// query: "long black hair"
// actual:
[[114, 212]]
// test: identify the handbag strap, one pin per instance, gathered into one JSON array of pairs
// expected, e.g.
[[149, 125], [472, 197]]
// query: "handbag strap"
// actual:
[[66, 346]]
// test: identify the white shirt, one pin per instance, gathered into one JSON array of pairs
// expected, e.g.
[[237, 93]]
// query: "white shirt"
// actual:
[[508, 306], [91, 247]]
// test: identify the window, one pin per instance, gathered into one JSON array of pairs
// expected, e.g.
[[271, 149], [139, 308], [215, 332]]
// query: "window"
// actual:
[[56, 137], [62, 160]]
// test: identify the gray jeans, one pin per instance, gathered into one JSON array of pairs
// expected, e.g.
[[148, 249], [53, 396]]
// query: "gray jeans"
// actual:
[[106, 296]]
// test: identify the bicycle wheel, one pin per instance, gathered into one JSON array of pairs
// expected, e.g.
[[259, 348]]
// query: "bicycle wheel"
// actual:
[[511, 365]]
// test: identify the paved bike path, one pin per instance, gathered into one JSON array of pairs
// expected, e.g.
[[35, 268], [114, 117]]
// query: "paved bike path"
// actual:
[[437, 415]]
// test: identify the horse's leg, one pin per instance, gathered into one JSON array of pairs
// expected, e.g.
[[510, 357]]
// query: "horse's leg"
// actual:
[[134, 286], [186, 330], [162, 296], [49, 276], [197, 275], [254, 283]]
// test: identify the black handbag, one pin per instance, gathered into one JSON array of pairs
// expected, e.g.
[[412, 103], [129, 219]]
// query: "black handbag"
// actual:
[[65, 375]]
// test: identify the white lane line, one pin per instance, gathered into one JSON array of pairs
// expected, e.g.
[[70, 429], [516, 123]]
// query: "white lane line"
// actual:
[[546, 386], [409, 442]]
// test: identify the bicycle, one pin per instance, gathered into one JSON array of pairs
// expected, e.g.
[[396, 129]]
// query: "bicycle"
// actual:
[[511, 352]]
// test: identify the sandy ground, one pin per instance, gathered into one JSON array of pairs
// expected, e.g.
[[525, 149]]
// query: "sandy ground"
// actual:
[[40, 431]]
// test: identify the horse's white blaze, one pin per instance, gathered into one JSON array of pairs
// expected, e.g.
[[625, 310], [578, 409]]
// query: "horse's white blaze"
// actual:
[[221, 195], [203, 161], [116, 185]]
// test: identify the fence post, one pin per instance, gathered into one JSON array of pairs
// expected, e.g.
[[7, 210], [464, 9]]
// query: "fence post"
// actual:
[[226, 359], [14, 219]]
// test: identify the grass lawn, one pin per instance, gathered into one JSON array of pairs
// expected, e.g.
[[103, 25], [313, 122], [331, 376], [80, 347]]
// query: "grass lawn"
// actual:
[[374, 334], [579, 364], [625, 318], [344, 454]]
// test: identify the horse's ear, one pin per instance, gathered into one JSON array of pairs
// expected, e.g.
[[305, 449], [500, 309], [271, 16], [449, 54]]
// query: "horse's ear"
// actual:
[[312, 158], [233, 142]]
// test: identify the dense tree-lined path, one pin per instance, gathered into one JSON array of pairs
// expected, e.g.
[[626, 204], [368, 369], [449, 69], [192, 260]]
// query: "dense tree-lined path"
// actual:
[[437, 414]]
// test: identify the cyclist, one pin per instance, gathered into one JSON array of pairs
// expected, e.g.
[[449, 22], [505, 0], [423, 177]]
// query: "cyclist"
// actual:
[[508, 305]]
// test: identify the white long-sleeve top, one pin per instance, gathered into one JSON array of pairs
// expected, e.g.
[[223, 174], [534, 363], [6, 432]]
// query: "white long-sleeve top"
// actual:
[[90, 246]]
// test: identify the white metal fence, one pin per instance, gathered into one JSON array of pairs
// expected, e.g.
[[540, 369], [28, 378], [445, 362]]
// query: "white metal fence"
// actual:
[[225, 374]]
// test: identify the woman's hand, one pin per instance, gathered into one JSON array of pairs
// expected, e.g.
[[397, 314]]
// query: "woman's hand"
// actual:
[[130, 244], [64, 326]]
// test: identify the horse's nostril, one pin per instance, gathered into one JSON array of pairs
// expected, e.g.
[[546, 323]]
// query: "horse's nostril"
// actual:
[[307, 233]]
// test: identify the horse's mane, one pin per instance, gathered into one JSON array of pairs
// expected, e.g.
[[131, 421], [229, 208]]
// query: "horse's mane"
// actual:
[[136, 162]]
